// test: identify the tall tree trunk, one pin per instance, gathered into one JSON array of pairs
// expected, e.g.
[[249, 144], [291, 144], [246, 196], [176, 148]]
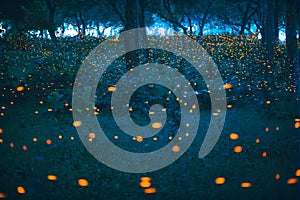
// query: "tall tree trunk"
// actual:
[[82, 22], [134, 16], [291, 27], [270, 30], [51, 26]]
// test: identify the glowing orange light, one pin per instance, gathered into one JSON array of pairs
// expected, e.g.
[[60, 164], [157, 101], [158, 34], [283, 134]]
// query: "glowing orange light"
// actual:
[[52, 177], [92, 135], [297, 124], [292, 181], [227, 86], [238, 149], [267, 129], [145, 178], [156, 125], [34, 139], [264, 154], [21, 190], [83, 182], [150, 190], [20, 88], [11, 145], [176, 148], [246, 185], [298, 172], [25, 148], [229, 106], [268, 102], [77, 123], [139, 138], [234, 136], [48, 141], [220, 180], [111, 89], [1, 130], [1, 140], [277, 176], [145, 184], [50, 109], [257, 140], [2, 196], [277, 128]]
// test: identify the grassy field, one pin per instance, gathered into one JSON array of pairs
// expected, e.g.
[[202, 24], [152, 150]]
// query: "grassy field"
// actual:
[[38, 137]]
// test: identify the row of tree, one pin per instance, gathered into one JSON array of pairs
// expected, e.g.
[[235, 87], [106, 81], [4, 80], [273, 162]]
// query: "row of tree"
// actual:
[[187, 16]]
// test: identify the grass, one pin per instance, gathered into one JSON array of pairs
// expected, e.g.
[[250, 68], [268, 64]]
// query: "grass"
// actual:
[[188, 177]]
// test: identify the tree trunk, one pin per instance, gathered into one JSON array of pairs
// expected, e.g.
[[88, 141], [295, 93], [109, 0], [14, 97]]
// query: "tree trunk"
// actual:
[[291, 27], [82, 22], [134, 17], [51, 26], [270, 30]]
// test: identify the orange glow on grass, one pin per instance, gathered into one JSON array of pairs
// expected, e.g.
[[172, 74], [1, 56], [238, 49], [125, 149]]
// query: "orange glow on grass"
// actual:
[[111, 89], [21, 190], [25, 148], [150, 190], [246, 185], [2, 196], [156, 125], [227, 86], [20, 88], [1, 130], [145, 178], [77, 123], [264, 154], [83, 182], [52, 177], [139, 138], [292, 181], [234, 136], [277, 176], [220, 180], [238, 149], [145, 184], [48, 141], [297, 172], [176, 149]]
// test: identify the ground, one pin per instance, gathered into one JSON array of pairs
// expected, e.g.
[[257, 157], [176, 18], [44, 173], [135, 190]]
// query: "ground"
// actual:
[[37, 142]]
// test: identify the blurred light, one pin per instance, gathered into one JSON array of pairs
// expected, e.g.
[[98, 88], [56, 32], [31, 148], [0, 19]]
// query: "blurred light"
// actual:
[[20, 88], [21, 190], [83, 182], [52, 177], [150, 190], [176, 148], [77, 123], [246, 185], [156, 125], [292, 181], [220, 180], [298, 172], [2, 196], [238, 149], [234, 136]]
